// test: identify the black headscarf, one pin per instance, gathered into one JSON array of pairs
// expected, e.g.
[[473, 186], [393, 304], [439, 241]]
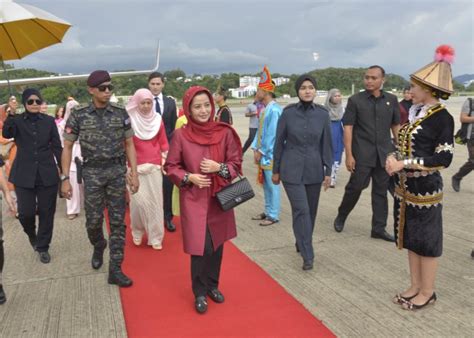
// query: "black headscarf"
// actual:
[[24, 97], [28, 92], [299, 82]]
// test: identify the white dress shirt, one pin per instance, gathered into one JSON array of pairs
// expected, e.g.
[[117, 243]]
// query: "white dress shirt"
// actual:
[[160, 101]]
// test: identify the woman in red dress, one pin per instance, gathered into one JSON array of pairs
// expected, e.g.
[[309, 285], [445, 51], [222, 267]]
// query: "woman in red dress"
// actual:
[[204, 157]]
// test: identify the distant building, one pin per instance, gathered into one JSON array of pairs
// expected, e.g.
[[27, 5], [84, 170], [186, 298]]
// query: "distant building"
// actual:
[[254, 80], [114, 99], [243, 91], [468, 83], [281, 81], [249, 81]]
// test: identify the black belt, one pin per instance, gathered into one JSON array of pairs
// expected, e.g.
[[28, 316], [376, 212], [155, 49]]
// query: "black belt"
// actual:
[[99, 163]]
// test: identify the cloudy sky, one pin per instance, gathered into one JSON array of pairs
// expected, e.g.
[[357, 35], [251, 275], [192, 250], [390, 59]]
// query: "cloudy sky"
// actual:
[[215, 36]]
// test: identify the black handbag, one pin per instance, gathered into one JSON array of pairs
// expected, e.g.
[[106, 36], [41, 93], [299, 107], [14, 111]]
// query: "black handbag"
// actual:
[[461, 135], [235, 193]]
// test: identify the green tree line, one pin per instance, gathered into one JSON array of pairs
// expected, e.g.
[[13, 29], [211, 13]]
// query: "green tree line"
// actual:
[[341, 78]]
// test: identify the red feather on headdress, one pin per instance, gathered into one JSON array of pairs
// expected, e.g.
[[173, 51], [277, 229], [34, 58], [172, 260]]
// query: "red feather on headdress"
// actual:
[[444, 53]]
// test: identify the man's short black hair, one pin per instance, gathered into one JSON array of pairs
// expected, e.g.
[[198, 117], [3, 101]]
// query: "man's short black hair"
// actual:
[[154, 75], [378, 67], [406, 89]]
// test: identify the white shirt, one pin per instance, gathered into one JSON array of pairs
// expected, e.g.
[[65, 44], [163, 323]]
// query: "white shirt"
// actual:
[[160, 101]]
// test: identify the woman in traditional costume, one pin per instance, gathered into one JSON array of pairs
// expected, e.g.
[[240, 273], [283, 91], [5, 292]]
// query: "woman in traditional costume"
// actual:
[[425, 147]]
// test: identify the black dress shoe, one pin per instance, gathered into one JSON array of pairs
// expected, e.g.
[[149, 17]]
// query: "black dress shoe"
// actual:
[[200, 304], [44, 256], [456, 183], [117, 277], [382, 235], [3, 297], [216, 295], [339, 223], [170, 226], [308, 265]]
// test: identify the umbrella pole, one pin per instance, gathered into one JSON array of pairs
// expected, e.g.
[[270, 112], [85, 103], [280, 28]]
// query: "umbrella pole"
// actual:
[[6, 75]]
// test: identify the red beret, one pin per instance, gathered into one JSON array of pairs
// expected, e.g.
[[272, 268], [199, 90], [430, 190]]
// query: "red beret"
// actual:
[[97, 77]]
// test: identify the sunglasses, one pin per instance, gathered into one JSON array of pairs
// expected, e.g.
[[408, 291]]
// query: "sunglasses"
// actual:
[[32, 101], [103, 88]]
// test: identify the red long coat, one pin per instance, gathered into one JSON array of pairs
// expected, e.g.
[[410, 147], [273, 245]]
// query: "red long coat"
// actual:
[[198, 207]]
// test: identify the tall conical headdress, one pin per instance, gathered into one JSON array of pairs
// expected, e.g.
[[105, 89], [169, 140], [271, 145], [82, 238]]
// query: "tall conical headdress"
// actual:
[[266, 82], [437, 75]]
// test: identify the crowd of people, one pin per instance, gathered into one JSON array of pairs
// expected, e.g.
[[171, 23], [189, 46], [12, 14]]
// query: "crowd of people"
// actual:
[[176, 163]]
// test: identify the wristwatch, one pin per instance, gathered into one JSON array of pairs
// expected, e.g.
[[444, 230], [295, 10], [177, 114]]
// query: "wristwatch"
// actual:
[[63, 178]]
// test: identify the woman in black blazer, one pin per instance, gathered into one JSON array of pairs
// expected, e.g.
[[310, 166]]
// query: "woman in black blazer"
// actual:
[[35, 172], [303, 160]]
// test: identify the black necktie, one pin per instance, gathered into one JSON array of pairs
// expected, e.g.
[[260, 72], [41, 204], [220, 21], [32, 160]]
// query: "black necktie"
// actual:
[[157, 105]]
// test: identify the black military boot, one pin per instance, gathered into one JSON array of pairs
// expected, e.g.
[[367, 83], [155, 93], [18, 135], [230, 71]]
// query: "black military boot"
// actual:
[[117, 277], [98, 256]]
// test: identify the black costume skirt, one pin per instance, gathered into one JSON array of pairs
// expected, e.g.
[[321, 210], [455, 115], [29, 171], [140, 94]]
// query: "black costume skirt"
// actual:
[[418, 214]]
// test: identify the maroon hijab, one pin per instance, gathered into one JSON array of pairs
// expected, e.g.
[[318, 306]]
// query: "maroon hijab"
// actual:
[[208, 133]]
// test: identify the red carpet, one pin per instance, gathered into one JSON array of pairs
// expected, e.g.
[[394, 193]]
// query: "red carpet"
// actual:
[[161, 302]]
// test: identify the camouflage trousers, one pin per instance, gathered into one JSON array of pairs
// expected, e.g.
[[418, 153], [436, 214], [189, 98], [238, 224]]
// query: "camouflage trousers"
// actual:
[[105, 188]]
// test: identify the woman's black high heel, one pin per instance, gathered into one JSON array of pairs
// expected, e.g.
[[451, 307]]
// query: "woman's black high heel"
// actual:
[[399, 299], [410, 306]]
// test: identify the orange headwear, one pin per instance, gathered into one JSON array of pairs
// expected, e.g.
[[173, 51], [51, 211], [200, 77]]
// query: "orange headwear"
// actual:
[[266, 82]]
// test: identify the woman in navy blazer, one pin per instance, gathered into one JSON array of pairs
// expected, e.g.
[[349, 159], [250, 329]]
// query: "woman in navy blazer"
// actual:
[[35, 172], [303, 160]]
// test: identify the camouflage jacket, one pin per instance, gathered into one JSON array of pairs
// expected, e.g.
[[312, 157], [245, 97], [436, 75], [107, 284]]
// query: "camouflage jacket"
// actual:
[[101, 132]]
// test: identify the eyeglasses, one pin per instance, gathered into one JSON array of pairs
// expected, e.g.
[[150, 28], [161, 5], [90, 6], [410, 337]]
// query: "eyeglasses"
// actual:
[[103, 88], [31, 101]]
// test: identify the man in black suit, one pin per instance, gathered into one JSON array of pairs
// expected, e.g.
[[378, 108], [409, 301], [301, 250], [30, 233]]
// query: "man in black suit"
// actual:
[[370, 116], [165, 106]]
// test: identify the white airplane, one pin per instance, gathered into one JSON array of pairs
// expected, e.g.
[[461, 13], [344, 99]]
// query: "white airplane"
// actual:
[[62, 78]]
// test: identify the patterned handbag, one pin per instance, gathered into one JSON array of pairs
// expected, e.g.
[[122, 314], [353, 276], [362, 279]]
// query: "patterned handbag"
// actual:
[[235, 194]]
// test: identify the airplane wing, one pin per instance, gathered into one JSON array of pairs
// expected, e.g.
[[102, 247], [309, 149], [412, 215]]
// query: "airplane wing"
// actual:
[[62, 78]]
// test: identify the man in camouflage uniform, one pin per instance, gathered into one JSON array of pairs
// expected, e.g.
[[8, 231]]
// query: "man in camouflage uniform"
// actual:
[[105, 135]]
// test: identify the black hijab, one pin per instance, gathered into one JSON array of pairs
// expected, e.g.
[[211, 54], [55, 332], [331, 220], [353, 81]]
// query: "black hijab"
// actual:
[[299, 83], [24, 97], [27, 93]]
